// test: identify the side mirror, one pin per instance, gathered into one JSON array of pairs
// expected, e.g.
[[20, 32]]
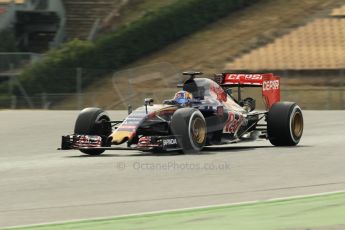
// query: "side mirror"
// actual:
[[148, 101]]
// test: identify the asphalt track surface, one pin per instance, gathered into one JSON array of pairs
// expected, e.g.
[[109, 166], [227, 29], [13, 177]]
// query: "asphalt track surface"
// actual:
[[40, 184]]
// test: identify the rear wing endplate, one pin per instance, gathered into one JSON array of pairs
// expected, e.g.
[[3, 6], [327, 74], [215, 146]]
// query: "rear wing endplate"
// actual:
[[269, 83]]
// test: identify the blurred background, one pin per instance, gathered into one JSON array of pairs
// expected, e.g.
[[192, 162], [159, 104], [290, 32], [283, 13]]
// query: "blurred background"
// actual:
[[70, 54]]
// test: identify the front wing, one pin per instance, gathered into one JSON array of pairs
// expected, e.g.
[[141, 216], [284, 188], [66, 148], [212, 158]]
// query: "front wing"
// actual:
[[145, 143]]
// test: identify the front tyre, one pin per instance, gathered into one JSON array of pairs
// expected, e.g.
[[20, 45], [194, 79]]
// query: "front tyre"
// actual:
[[190, 124], [285, 124], [91, 121]]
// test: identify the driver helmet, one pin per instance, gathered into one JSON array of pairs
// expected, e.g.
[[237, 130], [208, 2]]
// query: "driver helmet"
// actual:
[[183, 97]]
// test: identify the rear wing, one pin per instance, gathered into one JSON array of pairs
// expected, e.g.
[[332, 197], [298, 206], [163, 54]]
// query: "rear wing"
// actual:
[[269, 83]]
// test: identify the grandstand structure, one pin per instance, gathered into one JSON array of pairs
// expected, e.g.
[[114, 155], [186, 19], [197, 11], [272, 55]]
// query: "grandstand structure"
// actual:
[[42, 24], [84, 17], [317, 45], [37, 24]]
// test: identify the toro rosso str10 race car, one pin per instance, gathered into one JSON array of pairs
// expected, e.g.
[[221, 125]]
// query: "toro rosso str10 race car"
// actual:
[[204, 112]]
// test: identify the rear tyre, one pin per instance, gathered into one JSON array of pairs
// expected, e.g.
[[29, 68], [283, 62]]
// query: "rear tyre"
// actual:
[[285, 124], [190, 124], [90, 121]]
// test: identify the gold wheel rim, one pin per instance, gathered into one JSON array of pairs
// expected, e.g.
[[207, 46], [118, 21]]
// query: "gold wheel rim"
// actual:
[[297, 124], [198, 130]]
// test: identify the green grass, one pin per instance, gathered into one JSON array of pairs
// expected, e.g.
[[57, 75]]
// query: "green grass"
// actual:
[[135, 9], [298, 213], [139, 8]]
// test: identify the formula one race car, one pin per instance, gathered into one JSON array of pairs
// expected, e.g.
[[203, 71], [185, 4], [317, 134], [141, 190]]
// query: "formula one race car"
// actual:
[[204, 112]]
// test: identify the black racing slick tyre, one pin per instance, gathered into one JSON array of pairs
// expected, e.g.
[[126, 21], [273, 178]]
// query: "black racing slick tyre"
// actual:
[[190, 125], [285, 124], [90, 121]]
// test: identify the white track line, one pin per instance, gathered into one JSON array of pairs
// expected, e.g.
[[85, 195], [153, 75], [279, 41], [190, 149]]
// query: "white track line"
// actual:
[[178, 210]]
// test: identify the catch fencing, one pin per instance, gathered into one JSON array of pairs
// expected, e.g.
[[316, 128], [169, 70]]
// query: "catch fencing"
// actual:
[[117, 90]]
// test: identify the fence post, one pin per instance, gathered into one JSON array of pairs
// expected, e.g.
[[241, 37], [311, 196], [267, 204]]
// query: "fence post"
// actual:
[[11, 79], [13, 101], [342, 84], [44, 100], [329, 96], [79, 88], [10, 85]]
